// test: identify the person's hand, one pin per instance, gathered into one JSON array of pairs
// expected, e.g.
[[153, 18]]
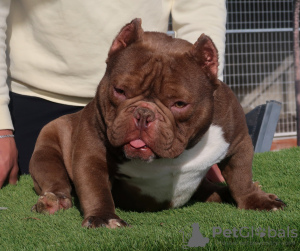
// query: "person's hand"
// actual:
[[8, 159]]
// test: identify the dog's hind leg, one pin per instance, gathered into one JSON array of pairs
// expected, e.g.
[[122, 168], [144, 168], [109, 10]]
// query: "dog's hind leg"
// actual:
[[211, 192]]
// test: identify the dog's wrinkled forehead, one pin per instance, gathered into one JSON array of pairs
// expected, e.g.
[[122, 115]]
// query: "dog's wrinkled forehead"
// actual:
[[156, 62], [150, 79], [203, 51]]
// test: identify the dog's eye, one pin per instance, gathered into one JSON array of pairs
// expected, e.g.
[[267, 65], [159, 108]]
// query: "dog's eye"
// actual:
[[119, 91], [180, 104]]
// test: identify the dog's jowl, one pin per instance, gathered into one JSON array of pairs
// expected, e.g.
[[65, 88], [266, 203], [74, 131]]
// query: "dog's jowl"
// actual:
[[160, 119]]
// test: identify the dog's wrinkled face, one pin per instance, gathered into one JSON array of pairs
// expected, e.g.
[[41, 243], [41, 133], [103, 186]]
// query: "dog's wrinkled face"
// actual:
[[157, 93]]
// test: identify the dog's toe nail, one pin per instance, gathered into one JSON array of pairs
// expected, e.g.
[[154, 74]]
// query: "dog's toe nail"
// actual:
[[89, 221], [33, 209], [126, 224], [277, 199]]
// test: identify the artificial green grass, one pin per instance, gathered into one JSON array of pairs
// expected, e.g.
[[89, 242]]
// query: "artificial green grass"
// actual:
[[277, 172]]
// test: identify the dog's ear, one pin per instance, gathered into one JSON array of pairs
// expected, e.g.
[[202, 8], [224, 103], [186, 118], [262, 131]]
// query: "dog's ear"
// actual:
[[206, 54], [129, 34]]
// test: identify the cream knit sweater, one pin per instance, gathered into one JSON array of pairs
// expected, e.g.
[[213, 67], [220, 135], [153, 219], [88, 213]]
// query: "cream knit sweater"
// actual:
[[56, 50]]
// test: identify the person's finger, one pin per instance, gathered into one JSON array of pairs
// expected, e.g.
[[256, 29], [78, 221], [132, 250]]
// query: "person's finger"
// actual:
[[13, 176], [1, 182], [3, 177]]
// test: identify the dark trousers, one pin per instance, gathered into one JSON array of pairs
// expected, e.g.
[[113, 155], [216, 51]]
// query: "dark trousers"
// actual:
[[29, 115]]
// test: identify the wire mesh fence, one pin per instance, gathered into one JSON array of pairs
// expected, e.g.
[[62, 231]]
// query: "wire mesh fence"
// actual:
[[259, 63]]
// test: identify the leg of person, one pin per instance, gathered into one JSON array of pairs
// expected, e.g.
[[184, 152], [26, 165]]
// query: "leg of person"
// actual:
[[30, 115]]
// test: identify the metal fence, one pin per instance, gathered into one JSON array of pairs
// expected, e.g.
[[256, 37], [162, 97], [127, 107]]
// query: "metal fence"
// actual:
[[259, 62]]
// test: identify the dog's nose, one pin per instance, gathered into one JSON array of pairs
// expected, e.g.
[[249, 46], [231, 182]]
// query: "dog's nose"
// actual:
[[143, 117]]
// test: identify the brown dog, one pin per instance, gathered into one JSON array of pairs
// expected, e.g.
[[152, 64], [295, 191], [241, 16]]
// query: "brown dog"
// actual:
[[159, 120]]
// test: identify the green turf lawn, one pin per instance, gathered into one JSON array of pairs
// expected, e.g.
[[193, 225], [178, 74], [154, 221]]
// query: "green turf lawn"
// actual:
[[277, 172]]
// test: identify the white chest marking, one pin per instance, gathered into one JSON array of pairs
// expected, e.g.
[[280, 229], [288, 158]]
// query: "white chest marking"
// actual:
[[177, 179]]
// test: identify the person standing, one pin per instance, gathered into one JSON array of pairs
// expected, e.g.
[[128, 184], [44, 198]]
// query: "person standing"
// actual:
[[54, 53]]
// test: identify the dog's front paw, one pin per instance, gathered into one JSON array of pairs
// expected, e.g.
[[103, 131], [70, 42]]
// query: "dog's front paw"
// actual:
[[262, 201], [50, 203], [98, 221]]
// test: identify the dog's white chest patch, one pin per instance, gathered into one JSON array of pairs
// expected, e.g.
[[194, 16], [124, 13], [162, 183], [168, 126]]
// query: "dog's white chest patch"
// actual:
[[176, 180]]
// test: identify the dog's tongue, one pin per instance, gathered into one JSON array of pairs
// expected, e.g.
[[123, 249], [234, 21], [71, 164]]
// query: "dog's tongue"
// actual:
[[138, 143]]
